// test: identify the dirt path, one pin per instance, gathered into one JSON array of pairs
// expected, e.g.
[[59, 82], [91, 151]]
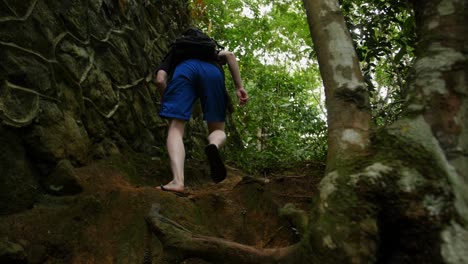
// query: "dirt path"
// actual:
[[105, 223]]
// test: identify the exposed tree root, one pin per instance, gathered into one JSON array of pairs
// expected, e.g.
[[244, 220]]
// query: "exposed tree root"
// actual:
[[298, 218], [180, 244]]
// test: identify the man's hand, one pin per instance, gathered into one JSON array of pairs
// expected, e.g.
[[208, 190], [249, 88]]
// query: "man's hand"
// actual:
[[242, 96]]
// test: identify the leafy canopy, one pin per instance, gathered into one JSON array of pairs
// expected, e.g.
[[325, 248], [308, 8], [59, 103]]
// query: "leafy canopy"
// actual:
[[384, 36], [284, 120]]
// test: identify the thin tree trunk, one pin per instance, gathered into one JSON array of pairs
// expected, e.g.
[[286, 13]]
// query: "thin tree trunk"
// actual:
[[347, 101]]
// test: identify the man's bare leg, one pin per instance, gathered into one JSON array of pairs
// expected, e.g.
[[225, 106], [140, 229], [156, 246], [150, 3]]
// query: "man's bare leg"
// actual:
[[176, 150], [217, 135]]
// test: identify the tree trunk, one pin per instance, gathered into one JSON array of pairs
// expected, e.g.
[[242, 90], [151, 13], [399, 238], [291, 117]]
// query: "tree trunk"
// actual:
[[439, 101], [347, 102]]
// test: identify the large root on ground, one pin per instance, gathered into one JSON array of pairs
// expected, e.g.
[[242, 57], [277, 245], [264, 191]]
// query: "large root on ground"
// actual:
[[180, 244]]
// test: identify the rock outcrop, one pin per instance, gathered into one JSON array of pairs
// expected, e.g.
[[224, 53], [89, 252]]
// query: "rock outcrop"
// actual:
[[76, 84]]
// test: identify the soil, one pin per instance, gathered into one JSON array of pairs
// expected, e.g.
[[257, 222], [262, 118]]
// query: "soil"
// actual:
[[105, 223]]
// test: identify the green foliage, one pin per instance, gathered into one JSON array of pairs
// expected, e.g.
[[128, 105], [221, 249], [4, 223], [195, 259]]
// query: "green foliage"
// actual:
[[384, 36], [281, 124], [283, 121]]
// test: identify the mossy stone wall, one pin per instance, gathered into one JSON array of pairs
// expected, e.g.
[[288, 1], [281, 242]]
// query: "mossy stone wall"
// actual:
[[77, 84]]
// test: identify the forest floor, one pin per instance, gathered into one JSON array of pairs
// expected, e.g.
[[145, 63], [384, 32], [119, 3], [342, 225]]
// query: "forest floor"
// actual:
[[105, 223]]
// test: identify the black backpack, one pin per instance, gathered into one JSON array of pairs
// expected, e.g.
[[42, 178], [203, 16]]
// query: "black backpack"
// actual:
[[194, 44]]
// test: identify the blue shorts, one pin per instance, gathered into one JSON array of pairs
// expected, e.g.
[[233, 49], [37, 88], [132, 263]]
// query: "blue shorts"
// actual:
[[193, 79]]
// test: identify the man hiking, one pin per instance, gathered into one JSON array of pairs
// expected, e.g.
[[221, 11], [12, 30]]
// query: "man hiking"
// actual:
[[183, 77]]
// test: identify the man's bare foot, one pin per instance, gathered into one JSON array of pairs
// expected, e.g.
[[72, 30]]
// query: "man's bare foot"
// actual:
[[173, 187]]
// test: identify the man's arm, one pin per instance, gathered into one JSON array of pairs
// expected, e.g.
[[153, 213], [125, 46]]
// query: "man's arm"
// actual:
[[230, 59], [161, 81], [164, 69]]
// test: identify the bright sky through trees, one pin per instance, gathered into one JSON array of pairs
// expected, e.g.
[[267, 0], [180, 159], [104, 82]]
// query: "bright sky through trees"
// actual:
[[272, 57]]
